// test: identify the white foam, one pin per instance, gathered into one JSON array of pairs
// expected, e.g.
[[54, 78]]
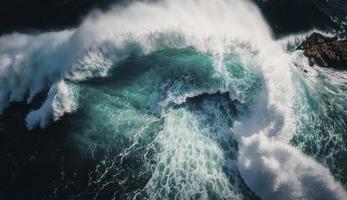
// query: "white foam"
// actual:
[[31, 63], [269, 165], [60, 100], [275, 170]]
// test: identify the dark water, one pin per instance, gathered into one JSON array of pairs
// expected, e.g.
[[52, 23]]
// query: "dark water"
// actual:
[[86, 155], [162, 123], [37, 15]]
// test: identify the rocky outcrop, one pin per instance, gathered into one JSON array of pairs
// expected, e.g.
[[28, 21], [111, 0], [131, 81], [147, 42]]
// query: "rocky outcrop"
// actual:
[[325, 51]]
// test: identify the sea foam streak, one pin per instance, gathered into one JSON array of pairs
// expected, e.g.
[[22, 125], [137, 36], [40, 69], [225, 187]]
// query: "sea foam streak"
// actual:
[[30, 64]]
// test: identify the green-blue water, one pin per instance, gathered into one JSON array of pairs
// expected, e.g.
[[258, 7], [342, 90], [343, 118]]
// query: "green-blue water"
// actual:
[[160, 126], [169, 100], [164, 143]]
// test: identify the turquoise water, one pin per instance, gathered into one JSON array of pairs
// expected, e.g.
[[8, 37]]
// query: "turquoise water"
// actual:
[[161, 125], [164, 140], [322, 120], [184, 124], [145, 102]]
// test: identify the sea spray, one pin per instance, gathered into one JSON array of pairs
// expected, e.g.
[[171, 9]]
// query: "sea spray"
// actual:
[[155, 84]]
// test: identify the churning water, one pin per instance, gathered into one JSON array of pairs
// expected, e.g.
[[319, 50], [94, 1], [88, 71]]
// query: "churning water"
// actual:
[[184, 100]]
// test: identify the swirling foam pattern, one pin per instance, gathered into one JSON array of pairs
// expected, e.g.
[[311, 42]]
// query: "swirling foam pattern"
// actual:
[[186, 100]]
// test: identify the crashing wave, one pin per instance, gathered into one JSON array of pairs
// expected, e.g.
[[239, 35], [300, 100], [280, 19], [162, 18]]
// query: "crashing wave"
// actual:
[[30, 64]]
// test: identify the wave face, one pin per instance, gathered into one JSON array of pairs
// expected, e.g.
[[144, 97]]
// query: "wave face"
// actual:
[[180, 100]]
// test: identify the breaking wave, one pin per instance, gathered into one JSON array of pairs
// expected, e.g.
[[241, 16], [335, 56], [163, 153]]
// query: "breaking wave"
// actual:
[[199, 89]]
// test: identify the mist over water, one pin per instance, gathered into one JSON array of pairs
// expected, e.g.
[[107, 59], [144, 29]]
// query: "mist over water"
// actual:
[[180, 100]]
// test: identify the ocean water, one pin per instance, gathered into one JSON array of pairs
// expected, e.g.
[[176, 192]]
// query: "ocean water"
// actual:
[[169, 100]]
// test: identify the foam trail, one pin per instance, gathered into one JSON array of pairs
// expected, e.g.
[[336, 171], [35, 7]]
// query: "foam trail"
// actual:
[[189, 166]]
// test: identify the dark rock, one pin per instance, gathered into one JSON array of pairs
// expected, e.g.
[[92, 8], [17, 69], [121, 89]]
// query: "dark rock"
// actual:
[[325, 51]]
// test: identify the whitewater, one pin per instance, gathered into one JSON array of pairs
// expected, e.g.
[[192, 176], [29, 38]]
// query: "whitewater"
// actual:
[[196, 100]]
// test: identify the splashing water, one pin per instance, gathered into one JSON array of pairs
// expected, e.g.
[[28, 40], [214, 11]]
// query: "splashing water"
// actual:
[[189, 100]]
